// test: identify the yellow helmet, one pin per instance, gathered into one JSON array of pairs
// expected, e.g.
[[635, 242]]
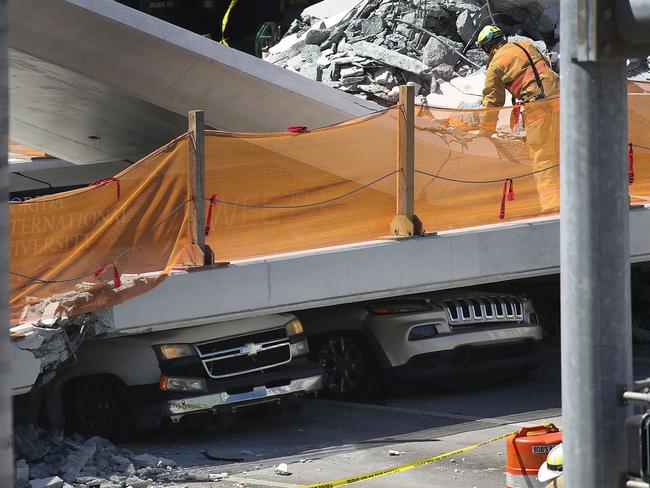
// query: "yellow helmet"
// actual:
[[552, 468], [488, 34]]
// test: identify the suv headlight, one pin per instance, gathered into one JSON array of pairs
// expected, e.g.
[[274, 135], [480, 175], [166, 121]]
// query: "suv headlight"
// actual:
[[293, 327], [174, 351]]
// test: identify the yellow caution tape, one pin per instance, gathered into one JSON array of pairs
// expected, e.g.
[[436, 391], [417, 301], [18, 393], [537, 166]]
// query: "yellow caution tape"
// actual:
[[403, 467], [224, 22]]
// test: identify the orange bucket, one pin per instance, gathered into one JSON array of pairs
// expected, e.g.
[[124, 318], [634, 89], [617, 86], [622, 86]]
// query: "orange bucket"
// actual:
[[526, 452]]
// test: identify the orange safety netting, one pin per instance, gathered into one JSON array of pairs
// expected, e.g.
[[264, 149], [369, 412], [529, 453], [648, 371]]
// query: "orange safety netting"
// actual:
[[90, 248], [292, 191]]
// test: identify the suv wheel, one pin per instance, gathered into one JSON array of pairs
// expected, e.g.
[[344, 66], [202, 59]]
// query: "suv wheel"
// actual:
[[348, 367]]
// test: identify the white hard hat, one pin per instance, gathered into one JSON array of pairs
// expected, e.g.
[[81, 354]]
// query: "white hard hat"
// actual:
[[552, 468]]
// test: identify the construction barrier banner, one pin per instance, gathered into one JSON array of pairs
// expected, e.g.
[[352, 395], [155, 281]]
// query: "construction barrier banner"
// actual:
[[301, 190], [93, 247], [283, 192]]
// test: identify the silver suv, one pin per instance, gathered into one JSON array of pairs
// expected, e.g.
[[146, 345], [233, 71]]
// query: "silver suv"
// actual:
[[437, 335]]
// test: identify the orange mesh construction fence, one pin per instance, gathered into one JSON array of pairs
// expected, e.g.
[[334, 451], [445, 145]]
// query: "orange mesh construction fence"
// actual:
[[301, 189], [294, 191], [90, 248]]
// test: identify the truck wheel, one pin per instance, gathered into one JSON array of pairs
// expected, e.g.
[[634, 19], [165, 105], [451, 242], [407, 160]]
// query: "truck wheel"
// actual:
[[349, 370], [96, 405]]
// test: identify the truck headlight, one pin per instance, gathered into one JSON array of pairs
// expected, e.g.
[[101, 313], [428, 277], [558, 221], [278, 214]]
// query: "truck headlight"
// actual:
[[191, 385], [174, 351], [422, 332], [293, 327], [299, 348]]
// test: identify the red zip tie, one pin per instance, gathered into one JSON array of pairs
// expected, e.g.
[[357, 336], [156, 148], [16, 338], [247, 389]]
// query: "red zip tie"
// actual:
[[116, 276], [630, 164], [108, 180], [515, 115], [509, 193], [208, 221], [297, 129]]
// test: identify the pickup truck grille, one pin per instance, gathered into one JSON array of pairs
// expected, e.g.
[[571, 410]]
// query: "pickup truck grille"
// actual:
[[245, 354], [487, 309]]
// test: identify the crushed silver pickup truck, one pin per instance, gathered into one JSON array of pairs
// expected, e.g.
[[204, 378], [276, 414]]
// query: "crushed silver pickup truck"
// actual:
[[119, 383]]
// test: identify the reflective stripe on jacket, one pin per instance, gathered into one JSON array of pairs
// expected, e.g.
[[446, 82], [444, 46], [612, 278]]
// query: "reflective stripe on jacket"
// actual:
[[509, 69]]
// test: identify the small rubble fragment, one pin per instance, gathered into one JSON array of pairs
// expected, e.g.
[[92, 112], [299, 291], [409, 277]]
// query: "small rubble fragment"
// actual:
[[282, 469], [52, 482], [218, 476], [22, 474]]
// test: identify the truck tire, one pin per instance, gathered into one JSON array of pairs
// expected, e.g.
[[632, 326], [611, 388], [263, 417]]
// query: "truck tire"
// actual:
[[349, 368], [96, 405]]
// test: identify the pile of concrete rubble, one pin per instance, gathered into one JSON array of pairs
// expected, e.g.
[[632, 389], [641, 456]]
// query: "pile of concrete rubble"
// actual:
[[371, 47], [47, 458]]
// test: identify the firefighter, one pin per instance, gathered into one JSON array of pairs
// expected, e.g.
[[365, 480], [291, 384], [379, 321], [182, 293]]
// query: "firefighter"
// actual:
[[522, 70]]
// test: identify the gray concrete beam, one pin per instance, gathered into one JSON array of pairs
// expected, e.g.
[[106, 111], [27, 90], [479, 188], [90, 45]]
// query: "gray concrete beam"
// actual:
[[83, 68], [348, 274]]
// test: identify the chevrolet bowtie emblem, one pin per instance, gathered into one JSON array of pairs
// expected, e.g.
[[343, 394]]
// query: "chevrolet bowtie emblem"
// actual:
[[251, 349]]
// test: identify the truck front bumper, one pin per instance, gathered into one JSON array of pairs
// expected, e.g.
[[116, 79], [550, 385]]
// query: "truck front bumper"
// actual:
[[149, 405], [259, 394]]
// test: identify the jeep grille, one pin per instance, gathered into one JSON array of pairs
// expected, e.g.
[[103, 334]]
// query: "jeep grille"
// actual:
[[487, 309]]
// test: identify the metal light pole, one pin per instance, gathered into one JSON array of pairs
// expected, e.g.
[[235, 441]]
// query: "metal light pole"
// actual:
[[6, 417], [594, 235]]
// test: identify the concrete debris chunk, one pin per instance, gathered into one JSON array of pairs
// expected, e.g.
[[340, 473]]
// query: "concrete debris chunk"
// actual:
[[135, 482], [150, 461], [76, 461], [465, 25], [218, 476], [539, 17], [352, 81], [310, 53], [22, 474], [384, 76], [437, 52], [317, 36], [389, 57], [282, 469], [353, 71], [53, 482], [372, 26], [443, 71], [312, 71]]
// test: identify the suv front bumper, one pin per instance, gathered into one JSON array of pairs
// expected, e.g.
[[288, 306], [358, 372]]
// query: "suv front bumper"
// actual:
[[471, 361]]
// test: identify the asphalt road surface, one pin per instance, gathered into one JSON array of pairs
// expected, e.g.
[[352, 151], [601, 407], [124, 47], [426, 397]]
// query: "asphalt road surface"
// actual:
[[328, 440]]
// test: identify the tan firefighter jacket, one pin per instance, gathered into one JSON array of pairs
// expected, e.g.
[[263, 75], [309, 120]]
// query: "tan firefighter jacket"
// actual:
[[509, 69]]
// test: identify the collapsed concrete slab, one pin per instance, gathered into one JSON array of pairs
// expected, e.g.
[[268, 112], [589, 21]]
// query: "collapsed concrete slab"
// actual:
[[94, 81]]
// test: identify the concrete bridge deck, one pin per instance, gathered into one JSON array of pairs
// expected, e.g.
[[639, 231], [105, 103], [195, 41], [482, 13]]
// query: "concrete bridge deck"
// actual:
[[363, 271]]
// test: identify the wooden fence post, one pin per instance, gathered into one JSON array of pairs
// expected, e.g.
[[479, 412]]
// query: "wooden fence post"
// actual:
[[405, 222], [196, 129]]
